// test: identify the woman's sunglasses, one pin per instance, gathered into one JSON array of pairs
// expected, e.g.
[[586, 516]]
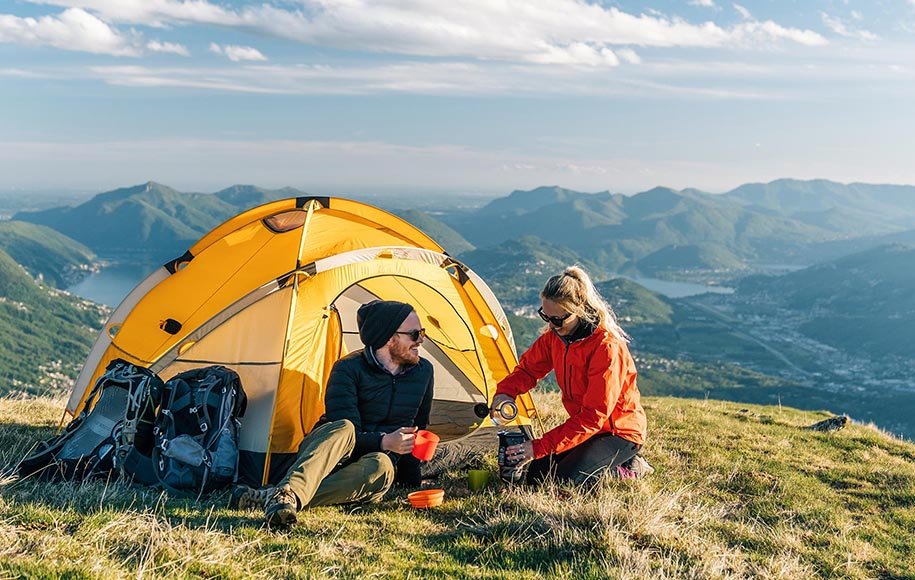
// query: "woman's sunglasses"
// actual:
[[414, 334], [556, 321]]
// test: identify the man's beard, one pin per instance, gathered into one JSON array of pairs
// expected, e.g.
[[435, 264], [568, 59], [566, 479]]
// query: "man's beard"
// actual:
[[402, 355]]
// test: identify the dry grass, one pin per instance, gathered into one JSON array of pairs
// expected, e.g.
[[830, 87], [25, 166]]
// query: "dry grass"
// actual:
[[740, 492]]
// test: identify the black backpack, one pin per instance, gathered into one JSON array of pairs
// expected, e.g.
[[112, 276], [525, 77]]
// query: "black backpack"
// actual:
[[117, 417], [196, 430]]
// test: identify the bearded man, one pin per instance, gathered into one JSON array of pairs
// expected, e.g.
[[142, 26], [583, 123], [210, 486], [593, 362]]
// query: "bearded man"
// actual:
[[376, 399]]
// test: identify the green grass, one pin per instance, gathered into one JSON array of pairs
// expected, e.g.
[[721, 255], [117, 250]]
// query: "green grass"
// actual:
[[740, 491]]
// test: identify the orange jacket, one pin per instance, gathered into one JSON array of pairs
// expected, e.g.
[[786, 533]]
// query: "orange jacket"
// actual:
[[597, 378]]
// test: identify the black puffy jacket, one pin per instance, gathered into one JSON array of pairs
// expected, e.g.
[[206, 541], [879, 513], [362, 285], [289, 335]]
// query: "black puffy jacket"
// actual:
[[375, 401]]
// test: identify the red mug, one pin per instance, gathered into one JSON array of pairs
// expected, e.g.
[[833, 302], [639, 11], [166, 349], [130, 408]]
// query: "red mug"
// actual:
[[424, 445]]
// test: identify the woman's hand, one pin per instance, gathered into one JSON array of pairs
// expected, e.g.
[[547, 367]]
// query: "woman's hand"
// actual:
[[497, 402], [400, 441], [521, 453]]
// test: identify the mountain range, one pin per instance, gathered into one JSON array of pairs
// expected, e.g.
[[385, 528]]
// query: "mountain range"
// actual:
[[151, 220], [655, 232], [754, 222]]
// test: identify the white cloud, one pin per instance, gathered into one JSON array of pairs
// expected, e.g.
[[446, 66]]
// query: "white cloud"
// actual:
[[442, 78], [576, 53], [237, 53], [703, 3], [757, 33], [744, 13], [168, 48], [536, 31], [628, 55], [23, 74], [156, 13], [839, 27], [73, 29]]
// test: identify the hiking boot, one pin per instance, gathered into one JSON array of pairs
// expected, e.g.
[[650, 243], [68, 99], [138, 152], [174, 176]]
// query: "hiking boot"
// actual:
[[248, 498], [639, 466], [281, 508], [623, 472]]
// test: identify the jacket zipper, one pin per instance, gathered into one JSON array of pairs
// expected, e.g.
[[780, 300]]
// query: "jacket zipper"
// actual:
[[568, 370], [393, 394]]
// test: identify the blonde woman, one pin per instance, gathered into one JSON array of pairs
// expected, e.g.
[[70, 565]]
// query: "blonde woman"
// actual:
[[586, 348]]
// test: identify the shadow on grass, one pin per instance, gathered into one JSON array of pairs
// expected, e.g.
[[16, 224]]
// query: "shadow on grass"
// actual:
[[18, 439]]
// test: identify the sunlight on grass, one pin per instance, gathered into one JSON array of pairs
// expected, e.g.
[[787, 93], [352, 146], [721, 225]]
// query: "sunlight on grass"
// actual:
[[740, 491]]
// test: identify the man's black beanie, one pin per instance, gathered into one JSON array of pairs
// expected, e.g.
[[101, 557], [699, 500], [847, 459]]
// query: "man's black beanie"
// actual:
[[378, 320]]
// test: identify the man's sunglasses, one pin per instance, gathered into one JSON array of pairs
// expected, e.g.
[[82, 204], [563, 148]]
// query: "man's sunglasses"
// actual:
[[556, 321], [414, 334]]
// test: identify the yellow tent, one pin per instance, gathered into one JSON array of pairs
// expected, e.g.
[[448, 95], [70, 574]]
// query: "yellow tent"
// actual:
[[272, 293]]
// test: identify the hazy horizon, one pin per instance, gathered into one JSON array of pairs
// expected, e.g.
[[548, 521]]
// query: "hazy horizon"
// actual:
[[375, 190]]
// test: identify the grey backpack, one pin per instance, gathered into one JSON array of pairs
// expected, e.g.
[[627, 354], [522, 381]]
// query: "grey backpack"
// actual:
[[116, 421], [196, 430]]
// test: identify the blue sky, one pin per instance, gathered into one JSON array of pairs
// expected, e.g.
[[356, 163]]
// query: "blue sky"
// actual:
[[465, 95]]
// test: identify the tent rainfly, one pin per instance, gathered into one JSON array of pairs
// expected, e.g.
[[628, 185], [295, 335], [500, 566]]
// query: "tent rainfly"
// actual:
[[272, 294]]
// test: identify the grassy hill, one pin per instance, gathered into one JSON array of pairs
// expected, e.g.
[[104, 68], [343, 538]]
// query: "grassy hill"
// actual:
[[45, 334], [740, 491], [45, 253]]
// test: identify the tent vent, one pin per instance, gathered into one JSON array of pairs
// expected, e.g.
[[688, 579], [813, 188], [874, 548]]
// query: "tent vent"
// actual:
[[170, 326], [285, 221], [300, 202], [179, 263]]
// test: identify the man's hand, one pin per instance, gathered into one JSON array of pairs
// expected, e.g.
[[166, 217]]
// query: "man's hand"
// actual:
[[497, 402], [400, 441]]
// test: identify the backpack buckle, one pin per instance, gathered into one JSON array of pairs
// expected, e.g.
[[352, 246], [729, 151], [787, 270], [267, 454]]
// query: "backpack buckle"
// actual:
[[203, 427]]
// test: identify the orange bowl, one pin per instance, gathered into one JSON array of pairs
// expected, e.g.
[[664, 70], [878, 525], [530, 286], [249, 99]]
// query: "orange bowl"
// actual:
[[427, 498]]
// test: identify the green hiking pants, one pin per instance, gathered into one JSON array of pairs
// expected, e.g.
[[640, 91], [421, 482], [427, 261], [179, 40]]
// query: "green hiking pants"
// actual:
[[321, 474]]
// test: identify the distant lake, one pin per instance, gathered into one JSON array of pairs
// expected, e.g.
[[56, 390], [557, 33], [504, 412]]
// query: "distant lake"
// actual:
[[679, 289], [112, 284]]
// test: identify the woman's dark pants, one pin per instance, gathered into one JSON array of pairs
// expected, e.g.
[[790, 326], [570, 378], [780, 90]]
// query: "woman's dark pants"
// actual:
[[585, 462]]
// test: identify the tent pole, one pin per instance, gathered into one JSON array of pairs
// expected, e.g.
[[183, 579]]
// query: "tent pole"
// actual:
[[312, 205], [60, 425]]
